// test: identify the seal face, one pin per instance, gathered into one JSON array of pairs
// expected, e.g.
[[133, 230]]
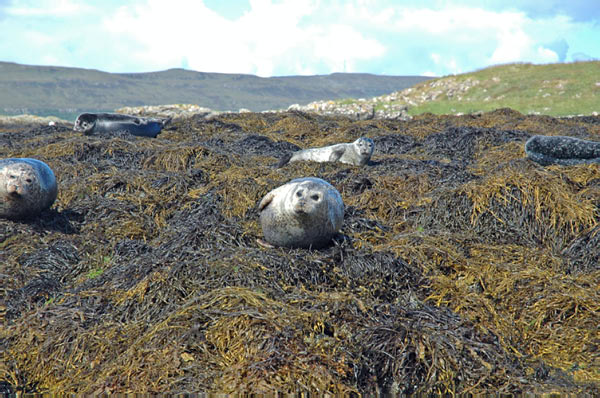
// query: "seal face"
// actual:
[[357, 153], [98, 123], [27, 187], [304, 213], [562, 150]]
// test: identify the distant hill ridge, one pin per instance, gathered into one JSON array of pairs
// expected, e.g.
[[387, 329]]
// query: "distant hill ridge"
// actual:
[[65, 92]]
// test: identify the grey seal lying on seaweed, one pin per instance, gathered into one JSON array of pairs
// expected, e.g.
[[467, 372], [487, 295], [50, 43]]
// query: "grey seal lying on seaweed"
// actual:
[[27, 187], [92, 123], [357, 153], [562, 150], [304, 213]]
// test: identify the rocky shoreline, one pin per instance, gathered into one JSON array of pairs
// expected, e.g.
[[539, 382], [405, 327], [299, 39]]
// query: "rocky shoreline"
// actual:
[[30, 119]]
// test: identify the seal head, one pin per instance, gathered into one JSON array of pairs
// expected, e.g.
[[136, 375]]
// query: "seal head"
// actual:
[[363, 149], [85, 123], [304, 213], [27, 187]]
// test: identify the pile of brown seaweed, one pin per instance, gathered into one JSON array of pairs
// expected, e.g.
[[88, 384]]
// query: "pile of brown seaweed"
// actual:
[[462, 266]]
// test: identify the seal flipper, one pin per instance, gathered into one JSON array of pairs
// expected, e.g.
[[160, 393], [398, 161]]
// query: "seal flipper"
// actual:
[[336, 154], [265, 201], [284, 160]]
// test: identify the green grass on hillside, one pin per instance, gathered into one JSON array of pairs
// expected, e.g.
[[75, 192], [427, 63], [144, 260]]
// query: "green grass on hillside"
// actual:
[[553, 89]]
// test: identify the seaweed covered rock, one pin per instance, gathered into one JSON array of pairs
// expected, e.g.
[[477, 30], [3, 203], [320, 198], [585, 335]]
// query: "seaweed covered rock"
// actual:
[[461, 266]]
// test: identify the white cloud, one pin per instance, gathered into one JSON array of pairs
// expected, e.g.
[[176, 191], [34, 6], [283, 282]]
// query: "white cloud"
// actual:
[[284, 37], [341, 46], [54, 8], [38, 39], [471, 32], [514, 44], [265, 40], [546, 55]]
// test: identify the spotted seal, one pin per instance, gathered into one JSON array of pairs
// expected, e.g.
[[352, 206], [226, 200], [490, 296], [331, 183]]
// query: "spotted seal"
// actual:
[[27, 187], [98, 123], [304, 213], [562, 150], [357, 153]]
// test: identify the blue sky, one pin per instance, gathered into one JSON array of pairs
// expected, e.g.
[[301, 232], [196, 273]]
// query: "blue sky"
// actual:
[[298, 37]]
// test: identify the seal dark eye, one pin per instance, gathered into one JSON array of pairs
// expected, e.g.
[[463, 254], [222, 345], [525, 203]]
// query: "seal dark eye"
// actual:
[[12, 176], [299, 194], [315, 197], [28, 180]]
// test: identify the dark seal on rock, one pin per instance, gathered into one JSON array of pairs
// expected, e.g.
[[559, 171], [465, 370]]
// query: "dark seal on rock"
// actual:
[[98, 123], [567, 151], [27, 187], [357, 153], [304, 213]]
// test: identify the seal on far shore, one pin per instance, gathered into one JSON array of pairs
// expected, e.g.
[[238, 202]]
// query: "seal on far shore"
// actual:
[[562, 150], [304, 213], [357, 153], [27, 187], [92, 123]]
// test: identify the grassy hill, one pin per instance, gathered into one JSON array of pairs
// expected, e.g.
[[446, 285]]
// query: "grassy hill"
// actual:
[[551, 89], [64, 92]]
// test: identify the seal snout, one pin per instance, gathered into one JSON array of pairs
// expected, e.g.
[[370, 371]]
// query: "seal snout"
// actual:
[[306, 200], [13, 190], [299, 209], [300, 206]]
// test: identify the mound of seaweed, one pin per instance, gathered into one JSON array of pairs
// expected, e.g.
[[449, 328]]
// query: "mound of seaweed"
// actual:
[[461, 267]]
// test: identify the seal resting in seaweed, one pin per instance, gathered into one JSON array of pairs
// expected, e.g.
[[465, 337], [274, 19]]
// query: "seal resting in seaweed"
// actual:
[[92, 123], [27, 187], [357, 153], [304, 213], [562, 150]]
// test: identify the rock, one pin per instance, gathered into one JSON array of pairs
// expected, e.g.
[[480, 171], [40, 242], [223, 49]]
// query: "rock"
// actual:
[[31, 119], [176, 111]]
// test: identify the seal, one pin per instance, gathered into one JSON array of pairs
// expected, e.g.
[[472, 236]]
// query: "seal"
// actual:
[[304, 213], [98, 123], [27, 187], [562, 150], [357, 153]]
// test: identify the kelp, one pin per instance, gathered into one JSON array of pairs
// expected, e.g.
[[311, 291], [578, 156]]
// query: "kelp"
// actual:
[[461, 267]]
